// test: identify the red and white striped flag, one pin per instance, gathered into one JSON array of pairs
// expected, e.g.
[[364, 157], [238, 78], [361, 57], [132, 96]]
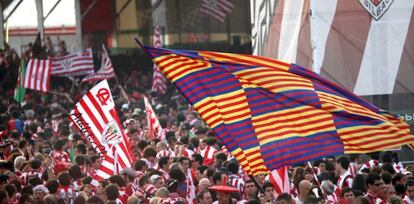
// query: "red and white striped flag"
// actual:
[[218, 9], [105, 72], [96, 118], [280, 180], [75, 64], [154, 125], [37, 75], [191, 195], [159, 83]]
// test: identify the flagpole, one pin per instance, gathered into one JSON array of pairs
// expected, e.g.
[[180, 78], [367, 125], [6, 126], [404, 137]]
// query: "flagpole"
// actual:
[[316, 178], [257, 184]]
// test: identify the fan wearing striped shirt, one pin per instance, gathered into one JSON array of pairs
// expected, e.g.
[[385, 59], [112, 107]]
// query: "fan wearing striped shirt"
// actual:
[[65, 190], [344, 176]]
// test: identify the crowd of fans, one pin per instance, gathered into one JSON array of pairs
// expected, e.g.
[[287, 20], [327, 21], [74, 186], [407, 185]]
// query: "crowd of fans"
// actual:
[[45, 159]]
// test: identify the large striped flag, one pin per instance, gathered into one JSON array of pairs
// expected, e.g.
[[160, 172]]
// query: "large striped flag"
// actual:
[[159, 83], [19, 91], [105, 72], [96, 118], [75, 64], [154, 126], [271, 114], [218, 9], [37, 75]]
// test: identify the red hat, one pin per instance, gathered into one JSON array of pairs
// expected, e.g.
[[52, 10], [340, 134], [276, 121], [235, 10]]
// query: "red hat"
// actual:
[[223, 188]]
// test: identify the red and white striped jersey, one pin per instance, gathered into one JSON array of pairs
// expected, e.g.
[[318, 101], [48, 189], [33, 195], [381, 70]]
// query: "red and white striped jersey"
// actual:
[[60, 156], [165, 174], [130, 189], [187, 152], [25, 176], [344, 180], [352, 169], [67, 193], [123, 196], [332, 199], [165, 153], [150, 165], [208, 154], [368, 165], [173, 197]]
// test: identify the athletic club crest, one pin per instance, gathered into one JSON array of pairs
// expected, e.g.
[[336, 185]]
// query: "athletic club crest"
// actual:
[[67, 64], [376, 8], [112, 134]]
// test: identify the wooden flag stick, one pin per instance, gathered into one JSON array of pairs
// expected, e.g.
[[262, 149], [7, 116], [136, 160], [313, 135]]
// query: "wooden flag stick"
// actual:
[[257, 184], [316, 179]]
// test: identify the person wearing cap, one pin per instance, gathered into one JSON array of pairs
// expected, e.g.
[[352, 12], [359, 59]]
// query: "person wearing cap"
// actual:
[[223, 192]]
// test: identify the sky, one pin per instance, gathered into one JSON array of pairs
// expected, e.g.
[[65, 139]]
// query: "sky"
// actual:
[[25, 15]]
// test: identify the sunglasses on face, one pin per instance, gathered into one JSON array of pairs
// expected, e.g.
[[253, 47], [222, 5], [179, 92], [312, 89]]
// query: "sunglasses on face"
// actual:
[[379, 184]]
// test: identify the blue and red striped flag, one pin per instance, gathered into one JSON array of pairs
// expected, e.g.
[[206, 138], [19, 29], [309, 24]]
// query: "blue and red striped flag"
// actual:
[[271, 114]]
